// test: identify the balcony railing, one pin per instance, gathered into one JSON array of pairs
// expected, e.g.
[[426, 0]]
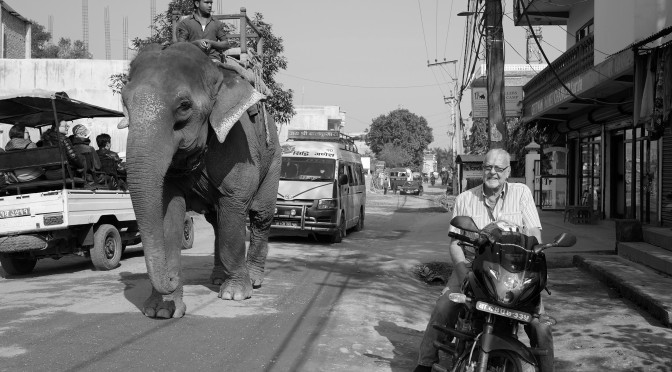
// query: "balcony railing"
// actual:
[[575, 61]]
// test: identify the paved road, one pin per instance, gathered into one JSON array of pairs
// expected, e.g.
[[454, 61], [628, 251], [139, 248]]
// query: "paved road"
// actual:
[[343, 307]]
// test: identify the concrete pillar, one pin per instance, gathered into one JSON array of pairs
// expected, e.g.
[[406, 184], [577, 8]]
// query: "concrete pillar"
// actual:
[[531, 179], [29, 38], [2, 31]]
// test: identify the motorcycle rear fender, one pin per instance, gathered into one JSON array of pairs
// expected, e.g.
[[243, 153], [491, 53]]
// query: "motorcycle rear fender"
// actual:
[[491, 341]]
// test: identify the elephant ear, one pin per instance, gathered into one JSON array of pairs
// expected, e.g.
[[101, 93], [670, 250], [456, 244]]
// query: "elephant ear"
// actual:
[[234, 96]]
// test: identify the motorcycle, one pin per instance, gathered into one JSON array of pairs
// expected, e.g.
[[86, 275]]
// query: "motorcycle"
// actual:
[[501, 293], [432, 180]]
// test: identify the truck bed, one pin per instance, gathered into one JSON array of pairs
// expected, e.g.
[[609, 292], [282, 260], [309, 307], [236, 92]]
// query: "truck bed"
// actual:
[[55, 210]]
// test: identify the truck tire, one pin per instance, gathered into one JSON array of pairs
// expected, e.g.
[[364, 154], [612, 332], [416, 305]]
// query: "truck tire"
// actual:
[[107, 248], [17, 266], [188, 235]]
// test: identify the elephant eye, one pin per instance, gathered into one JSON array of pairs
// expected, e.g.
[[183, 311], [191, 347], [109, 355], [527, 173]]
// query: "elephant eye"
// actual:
[[185, 104]]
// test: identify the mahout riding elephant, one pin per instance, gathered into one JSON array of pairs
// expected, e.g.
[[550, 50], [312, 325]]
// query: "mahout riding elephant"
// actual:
[[199, 139]]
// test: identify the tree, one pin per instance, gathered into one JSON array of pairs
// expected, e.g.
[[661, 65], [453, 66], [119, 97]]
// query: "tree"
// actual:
[[478, 140], [39, 37], [41, 47], [444, 159], [394, 156], [280, 103], [403, 129]]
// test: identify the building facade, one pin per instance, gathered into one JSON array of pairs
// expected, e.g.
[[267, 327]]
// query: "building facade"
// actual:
[[15, 32], [314, 117], [602, 96]]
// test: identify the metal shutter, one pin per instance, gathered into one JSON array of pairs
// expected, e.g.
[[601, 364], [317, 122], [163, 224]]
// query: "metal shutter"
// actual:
[[666, 197]]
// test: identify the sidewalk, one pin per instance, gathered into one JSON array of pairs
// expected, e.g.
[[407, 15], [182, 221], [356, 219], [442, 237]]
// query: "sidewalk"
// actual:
[[597, 238]]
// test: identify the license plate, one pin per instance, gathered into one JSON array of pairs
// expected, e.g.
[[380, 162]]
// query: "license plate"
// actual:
[[513, 314], [19, 212], [287, 223]]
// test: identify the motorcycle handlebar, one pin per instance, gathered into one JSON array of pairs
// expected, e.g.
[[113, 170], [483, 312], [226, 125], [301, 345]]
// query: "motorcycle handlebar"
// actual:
[[462, 238]]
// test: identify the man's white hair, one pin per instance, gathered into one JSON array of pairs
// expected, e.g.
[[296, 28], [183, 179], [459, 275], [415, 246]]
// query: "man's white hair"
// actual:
[[496, 152]]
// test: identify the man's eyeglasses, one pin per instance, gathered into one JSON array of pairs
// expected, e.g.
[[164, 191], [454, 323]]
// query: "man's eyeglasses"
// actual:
[[488, 168]]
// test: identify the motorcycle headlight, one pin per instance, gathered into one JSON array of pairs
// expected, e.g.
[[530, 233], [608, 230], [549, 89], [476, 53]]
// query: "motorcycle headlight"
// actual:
[[326, 204]]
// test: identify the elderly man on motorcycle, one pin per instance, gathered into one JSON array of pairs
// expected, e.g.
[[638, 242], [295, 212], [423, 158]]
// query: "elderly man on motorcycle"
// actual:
[[495, 199]]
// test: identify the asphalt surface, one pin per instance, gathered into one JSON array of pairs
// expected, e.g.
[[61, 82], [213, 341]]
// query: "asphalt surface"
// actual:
[[345, 307]]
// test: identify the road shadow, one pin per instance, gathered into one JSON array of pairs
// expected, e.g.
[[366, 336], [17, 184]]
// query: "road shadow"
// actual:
[[401, 338]]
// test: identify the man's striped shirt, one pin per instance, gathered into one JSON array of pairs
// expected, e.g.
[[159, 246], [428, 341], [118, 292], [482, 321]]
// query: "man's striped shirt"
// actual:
[[515, 205]]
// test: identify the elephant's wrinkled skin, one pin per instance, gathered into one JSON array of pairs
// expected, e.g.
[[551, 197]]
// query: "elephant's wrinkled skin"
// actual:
[[171, 96]]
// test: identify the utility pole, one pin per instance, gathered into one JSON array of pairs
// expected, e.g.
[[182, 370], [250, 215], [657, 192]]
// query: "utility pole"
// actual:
[[455, 130], [494, 59]]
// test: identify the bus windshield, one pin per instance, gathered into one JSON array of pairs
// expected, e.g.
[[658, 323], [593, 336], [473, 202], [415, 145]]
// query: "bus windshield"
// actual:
[[307, 169]]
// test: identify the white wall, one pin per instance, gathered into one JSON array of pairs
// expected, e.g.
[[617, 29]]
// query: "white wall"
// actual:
[[619, 23], [82, 79]]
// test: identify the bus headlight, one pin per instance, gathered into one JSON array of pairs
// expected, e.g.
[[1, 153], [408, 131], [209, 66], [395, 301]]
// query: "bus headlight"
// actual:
[[326, 204]]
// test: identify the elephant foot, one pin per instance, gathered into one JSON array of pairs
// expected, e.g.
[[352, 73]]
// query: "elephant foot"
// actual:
[[236, 289], [256, 275], [165, 306], [218, 276]]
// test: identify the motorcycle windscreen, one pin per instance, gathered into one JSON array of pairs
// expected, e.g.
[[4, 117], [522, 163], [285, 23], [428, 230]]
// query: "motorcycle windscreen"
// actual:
[[508, 270]]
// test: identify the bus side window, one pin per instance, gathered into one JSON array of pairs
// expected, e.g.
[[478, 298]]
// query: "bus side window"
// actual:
[[351, 177], [358, 174]]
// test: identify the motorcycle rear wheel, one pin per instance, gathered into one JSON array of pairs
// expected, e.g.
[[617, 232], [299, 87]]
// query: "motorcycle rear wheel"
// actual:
[[498, 361]]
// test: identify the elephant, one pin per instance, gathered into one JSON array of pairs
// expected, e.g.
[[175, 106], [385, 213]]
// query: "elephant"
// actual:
[[228, 170]]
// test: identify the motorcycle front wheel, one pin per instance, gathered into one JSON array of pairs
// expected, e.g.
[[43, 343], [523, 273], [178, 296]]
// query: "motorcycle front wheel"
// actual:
[[498, 361]]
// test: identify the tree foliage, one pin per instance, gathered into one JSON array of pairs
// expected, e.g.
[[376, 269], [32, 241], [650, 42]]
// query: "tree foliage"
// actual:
[[394, 156], [520, 135], [403, 129], [280, 103], [41, 46]]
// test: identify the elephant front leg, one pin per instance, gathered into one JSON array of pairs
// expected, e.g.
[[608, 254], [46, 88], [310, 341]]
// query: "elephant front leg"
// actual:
[[168, 306], [171, 305], [230, 269]]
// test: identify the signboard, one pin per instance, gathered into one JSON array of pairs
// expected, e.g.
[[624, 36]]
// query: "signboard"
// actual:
[[513, 98], [303, 134]]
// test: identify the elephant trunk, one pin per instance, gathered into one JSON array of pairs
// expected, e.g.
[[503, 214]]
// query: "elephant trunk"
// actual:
[[147, 166]]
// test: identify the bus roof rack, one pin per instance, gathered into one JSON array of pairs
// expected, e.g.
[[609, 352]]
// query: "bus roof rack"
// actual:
[[346, 142]]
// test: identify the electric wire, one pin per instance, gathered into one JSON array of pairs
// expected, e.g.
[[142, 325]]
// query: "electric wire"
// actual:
[[450, 17], [359, 86], [424, 37]]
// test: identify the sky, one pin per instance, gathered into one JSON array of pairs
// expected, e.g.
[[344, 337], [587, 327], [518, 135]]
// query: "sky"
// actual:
[[368, 57]]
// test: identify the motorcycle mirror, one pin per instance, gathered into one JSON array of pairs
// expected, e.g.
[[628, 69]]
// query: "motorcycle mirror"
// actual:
[[565, 240], [465, 223]]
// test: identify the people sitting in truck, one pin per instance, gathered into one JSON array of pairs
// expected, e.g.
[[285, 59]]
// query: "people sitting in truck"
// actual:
[[52, 137], [19, 140], [82, 145], [110, 161], [201, 29]]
